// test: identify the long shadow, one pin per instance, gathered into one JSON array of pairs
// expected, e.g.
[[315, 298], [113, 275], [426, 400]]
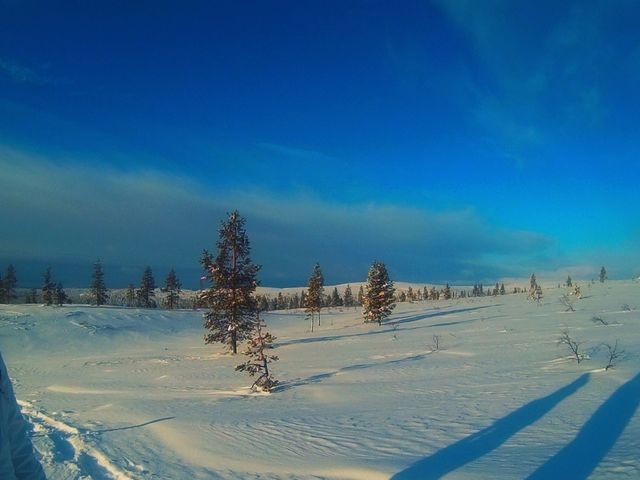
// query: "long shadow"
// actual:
[[360, 366], [401, 320], [480, 443], [596, 437], [128, 427]]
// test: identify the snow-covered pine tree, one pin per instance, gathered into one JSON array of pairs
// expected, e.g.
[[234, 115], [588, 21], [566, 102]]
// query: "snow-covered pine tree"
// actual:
[[378, 299], [402, 297], [446, 292], [146, 293], [259, 359], [348, 297], [232, 306], [502, 289], [48, 287], [3, 292], [569, 281], [97, 289], [411, 296], [603, 275], [173, 287], [314, 298]]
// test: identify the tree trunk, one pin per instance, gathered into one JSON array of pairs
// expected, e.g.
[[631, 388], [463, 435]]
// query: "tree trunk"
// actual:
[[234, 342]]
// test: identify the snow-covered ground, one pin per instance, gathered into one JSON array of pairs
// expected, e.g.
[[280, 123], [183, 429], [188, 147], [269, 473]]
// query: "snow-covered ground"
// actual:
[[132, 394]]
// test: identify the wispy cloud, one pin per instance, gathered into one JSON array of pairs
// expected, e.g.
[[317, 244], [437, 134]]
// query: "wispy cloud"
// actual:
[[544, 68], [20, 73], [297, 153]]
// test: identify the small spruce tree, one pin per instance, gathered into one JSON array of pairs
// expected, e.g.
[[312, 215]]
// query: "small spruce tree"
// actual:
[[378, 300], [60, 295], [258, 345], [232, 307], [10, 283], [569, 281], [48, 287], [146, 293], [348, 297], [314, 298], [130, 296], [173, 287], [97, 289], [603, 275], [361, 295], [336, 301]]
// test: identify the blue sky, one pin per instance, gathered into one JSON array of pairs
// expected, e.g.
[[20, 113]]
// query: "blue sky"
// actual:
[[456, 141]]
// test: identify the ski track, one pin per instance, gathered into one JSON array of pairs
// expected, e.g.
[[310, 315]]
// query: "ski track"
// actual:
[[72, 449]]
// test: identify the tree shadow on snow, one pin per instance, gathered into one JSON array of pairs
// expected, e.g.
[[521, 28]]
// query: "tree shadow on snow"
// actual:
[[390, 323], [596, 437], [480, 443], [286, 385]]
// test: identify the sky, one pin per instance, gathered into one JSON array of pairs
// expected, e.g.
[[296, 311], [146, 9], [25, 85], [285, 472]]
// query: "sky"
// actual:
[[457, 141]]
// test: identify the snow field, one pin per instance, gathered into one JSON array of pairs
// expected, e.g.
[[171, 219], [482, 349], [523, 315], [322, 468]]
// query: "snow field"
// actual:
[[118, 393]]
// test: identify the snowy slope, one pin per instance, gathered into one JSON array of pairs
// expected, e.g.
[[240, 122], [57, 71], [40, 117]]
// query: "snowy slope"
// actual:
[[131, 394]]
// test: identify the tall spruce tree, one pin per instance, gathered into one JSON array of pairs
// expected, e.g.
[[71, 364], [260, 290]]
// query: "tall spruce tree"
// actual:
[[10, 283], [3, 294], [146, 293], [603, 275], [569, 281], [48, 287], [173, 288], [314, 298], [378, 300], [348, 297], [232, 307], [97, 289]]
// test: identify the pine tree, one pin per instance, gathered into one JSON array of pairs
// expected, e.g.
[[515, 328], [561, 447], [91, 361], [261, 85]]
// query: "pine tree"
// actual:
[[603, 275], [446, 292], [378, 300], [60, 295], [146, 293], [10, 283], [569, 282], [259, 359], [48, 287], [3, 293], [315, 294], [173, 288], [348, 297], [130, 296], [97, 289], [402, 297], [410, 295], [502, 289], [232, 307]]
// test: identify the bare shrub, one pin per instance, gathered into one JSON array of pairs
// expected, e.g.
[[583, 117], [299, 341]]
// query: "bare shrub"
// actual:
[[614, 354], [435, 346], [568, 303], [573, 345]]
